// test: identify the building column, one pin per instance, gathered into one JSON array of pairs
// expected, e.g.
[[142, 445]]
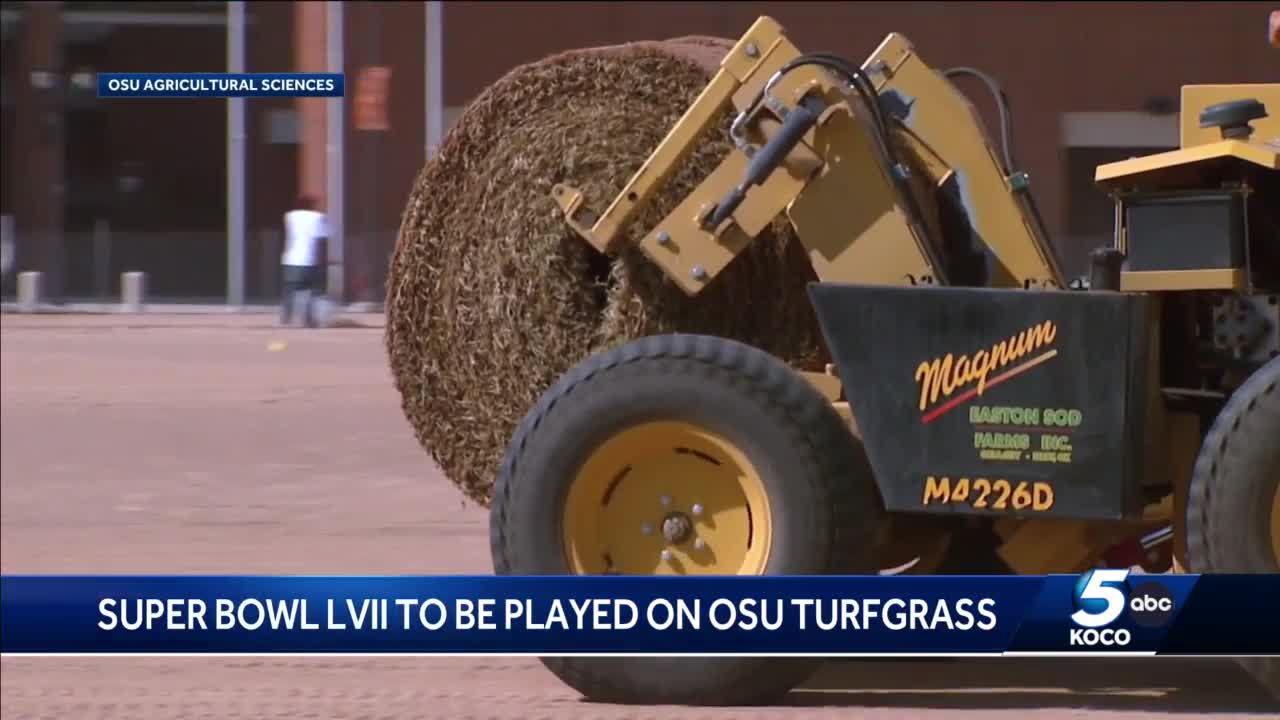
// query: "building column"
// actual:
[[237, 137], [40, 143], [335, 148], [320, 121], [309, 57], [434, 45]]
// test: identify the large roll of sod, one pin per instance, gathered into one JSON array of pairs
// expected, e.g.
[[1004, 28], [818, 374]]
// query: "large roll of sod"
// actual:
[[491, 296]]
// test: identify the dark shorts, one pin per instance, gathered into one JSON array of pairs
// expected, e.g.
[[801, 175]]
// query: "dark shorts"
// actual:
[[301, 277]]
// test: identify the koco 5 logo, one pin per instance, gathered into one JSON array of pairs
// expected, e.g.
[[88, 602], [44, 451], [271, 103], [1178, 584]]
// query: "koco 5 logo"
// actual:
[[1101, 597]]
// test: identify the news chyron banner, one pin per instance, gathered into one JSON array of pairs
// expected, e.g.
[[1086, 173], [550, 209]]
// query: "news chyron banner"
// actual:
[[1101, 612], [220, 85]]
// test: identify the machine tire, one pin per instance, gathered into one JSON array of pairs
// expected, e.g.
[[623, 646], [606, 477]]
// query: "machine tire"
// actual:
[[1235, 494], [823, 508]]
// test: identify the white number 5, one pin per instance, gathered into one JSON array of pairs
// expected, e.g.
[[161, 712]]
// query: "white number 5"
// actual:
[[1101, 586]]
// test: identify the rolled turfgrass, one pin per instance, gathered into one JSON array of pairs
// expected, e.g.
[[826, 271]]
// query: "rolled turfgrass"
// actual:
[[491, 296]]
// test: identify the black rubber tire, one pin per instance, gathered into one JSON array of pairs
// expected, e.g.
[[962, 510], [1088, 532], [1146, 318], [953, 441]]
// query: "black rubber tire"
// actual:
[[1232, 490], [824, 508]]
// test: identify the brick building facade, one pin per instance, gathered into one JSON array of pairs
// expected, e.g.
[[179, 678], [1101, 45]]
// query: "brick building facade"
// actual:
[[1088, 83]]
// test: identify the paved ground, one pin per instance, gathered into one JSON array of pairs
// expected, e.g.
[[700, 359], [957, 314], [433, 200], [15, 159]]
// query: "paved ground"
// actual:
[[186, 444]]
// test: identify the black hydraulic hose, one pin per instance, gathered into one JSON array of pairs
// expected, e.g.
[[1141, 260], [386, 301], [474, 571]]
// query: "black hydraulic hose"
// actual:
[[798, 122], [856, 78], [867, 91], [862, 84], [1002, 104], [859, 80]]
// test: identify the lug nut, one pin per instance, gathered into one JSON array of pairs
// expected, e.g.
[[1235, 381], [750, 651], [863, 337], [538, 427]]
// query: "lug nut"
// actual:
[[696, 510], [646, 528], [666, 556]]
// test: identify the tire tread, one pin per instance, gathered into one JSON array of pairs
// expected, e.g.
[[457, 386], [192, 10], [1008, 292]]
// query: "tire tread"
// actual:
[[815, 428], [1215, 542]]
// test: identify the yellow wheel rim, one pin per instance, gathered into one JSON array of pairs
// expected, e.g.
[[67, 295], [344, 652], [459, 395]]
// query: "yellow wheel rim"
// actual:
[[667, 498]]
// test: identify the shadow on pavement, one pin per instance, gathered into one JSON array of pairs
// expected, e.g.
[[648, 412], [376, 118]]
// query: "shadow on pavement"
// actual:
[[1164, 685]]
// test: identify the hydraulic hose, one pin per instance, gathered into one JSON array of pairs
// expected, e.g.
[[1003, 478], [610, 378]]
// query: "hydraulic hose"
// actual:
[[1002, 105], [798, 122]]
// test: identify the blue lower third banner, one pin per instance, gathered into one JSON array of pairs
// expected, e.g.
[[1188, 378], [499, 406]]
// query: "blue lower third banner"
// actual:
[[1100, 612], [220, 85]]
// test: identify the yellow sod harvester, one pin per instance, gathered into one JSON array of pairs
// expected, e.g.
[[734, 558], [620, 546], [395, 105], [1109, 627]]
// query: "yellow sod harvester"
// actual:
[[982, 412]]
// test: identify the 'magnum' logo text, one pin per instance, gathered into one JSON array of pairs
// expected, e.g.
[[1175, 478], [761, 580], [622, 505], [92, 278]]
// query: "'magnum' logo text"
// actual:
[[942, 377]]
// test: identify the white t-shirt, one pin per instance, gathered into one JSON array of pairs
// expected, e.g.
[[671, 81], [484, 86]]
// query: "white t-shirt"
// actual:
[[303, 231]]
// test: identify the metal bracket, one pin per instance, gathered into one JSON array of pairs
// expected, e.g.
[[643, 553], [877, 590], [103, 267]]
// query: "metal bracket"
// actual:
[[570, 201]]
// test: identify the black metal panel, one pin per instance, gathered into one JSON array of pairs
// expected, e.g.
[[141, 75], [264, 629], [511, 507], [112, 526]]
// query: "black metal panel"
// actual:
[[1041, 413], [1185, 232]]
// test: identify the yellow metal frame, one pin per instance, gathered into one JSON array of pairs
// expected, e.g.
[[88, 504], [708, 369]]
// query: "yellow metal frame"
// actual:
[[1203, 145], [1165, 280], [757, 54], [850, 213], [999, 212], [851, 217], [834, 186], [673, 150], [1178, 169], [1146, 170]]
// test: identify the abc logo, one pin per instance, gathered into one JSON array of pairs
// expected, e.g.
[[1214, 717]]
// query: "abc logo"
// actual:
[[1101, 597], [1151, 605]]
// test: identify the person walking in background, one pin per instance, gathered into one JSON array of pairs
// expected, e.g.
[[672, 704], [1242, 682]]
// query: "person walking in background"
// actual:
[[305, 228]]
